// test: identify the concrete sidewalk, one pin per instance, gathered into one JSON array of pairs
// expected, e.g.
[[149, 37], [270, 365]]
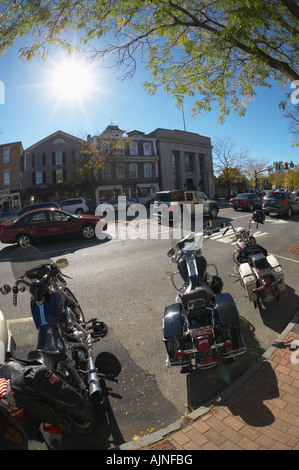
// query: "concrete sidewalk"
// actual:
[[258, 412]]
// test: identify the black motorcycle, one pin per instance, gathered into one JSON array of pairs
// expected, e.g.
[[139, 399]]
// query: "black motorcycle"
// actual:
[[57, 385], [203, 323]]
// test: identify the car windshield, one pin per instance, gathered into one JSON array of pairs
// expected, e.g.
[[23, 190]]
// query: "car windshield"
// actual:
[[242, 196]]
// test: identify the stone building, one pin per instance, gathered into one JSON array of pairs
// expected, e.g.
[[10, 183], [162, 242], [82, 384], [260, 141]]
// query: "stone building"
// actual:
[[185, 160]]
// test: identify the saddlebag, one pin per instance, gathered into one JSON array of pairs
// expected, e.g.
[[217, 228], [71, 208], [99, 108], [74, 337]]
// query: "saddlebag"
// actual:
[[248, 279], [277, 272], [173, 334], [38, 394], [229, 320]]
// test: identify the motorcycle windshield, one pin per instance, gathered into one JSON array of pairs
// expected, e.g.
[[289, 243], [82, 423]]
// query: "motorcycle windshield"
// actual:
[[26, 258], [191, 242]]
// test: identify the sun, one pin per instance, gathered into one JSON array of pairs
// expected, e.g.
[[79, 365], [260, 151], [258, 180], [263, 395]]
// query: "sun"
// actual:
[[71, 79]]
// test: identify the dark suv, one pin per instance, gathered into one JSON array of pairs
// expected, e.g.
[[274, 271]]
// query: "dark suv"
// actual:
[[281, 203]]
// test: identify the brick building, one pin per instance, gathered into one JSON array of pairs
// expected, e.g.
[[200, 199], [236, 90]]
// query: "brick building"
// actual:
[[11, 156]]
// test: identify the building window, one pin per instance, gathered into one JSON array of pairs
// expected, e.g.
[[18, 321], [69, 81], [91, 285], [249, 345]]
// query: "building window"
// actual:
[[120, 171], [38, 159], [6, 155], [39, 177], [6, 179], [147, 149], [133, 148], [189, 162], [59, 176], [106, 172], [58, 158], [133, 170], [147, 170], [175, 170]]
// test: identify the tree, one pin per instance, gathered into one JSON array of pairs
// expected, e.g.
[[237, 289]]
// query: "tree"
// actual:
[[229, 161], [211, 50]]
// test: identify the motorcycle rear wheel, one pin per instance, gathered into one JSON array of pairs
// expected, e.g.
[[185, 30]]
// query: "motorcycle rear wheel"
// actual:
[[85, 426]]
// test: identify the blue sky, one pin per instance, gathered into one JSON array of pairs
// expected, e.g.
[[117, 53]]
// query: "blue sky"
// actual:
[[33, 109]]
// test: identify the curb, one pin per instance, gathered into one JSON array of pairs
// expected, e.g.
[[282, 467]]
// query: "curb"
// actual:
[[160, 434]]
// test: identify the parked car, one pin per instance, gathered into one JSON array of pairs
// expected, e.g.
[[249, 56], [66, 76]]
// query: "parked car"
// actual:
[[45, 224], [38, 205], [246, 201], [180, 197], [127, 201], [28, 208], [280, 202], [76, 205]]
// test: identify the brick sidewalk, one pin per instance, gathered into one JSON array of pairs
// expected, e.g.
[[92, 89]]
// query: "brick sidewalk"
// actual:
[[263, 413]]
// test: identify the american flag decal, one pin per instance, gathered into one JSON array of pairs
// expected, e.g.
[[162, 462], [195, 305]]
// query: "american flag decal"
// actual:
[[4, 385], [7, 399]]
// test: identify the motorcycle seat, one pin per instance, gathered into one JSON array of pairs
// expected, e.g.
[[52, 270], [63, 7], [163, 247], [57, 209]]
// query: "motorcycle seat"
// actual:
[[198, 299], [50, 348]]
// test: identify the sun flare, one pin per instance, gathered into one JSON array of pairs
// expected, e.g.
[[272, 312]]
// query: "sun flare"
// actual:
[[72, 80]]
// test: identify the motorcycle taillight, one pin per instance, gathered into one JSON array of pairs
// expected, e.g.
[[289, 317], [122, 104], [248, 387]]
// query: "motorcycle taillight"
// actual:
[[203, 343], [266, 282], [52, 428]]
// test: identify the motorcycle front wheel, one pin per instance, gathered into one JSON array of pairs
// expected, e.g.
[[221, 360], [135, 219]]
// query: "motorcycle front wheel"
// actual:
[[71, 301]]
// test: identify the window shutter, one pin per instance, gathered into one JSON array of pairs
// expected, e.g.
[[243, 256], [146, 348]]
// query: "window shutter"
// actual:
[[33, 160]]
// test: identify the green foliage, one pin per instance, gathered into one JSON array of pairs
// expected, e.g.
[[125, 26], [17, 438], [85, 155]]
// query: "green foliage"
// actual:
[[210, 50]]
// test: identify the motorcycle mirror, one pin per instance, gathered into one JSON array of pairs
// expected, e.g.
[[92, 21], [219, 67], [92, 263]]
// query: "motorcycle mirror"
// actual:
[[171, 252], [62, 263], [5, 289]]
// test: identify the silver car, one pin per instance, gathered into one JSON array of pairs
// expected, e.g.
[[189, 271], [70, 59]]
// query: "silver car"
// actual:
[[76, 205], [190, 198]]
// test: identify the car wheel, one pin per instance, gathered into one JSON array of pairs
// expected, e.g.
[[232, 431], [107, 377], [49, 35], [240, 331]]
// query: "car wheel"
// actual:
[[79, 211], [23, 240], [88, 231], [214, 212], [289, 212], [251, 207]]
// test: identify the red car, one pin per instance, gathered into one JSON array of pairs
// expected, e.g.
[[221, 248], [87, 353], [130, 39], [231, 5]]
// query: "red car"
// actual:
[[44, 224]]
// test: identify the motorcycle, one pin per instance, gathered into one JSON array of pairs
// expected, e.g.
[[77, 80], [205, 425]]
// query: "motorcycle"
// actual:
[[56, 387], [203, 323], [260, 273]]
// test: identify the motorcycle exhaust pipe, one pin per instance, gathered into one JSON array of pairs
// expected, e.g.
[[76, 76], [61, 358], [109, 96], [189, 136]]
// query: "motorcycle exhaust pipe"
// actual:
[[93, 381]]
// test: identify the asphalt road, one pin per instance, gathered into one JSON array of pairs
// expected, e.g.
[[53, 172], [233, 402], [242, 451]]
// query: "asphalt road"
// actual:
[[127, 284]]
